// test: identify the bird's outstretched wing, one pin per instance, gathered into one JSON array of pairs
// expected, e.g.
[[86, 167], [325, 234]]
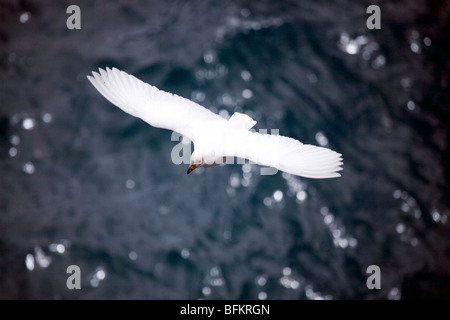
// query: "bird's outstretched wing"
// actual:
[[156, 107], [168, 111], [285, 154]]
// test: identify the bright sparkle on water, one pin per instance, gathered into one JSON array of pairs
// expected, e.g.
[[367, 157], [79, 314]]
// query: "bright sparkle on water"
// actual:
[[94, 282], [47, 117], [278, 195], [41, 258], [295, 187], [97, 277], [405, 207], [28, 123], [301, 196], [12, 152], [212, 73], [214, 277], [343, 243], [245, 182], [437, 216], [60, 248], [394, 294], [414, 41], [328, 219], [24, 17], [337, 230], [132, 255], [198, 96], [28, 168], [406, 82], [245, 75], [415, 47], [185, 253], [409, 207], [408, 204], [209, 57], [400, 228], [101, 274], [411, 105], [261, 280], [369, 50], [29, 262], [321, 139], [313, 295], [247, 93], [352, 242], [14, 139], [234, 180], [349, 45], [231, 192], [336, 233], [288, 281], [262, 295], [267, 201], [206, 291], [378, 62], [130, 184], [57, 247], [227, 100]]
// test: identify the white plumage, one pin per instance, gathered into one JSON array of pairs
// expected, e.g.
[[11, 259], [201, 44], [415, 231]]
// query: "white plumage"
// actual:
[[214, 137]]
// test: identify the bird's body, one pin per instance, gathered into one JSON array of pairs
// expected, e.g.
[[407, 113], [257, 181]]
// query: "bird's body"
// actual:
[[214, 137]]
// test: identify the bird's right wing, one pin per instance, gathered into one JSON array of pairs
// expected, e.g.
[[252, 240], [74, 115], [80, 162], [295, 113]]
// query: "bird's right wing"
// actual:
[[285, 154], [156, 107]]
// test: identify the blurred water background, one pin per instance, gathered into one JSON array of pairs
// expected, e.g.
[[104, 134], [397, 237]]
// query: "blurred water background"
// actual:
[[83, 183]]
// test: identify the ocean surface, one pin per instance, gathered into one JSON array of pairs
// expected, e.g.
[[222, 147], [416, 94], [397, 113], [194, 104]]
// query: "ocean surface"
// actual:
[[82, 183]]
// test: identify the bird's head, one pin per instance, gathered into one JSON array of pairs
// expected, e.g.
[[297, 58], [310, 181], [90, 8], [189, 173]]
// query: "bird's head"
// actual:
[[196, 161]]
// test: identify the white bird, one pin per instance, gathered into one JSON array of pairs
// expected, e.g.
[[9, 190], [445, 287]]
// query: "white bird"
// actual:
[[214, 137]]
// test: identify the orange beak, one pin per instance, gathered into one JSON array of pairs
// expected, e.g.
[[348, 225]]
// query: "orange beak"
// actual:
[[192, 167]]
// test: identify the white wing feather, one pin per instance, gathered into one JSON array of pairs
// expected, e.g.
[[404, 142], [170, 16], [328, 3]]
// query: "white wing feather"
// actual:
[[168, 111], [285, 154], [156, 107]]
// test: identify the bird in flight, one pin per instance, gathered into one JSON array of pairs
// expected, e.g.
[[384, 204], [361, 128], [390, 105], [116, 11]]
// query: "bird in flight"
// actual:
[[215, 138]]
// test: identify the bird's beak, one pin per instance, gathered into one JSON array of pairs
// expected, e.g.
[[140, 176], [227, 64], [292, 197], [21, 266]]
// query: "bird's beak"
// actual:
[[192, 167]]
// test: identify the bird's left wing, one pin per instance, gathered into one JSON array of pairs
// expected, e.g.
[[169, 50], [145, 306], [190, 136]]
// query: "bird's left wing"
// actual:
[[156, 107]]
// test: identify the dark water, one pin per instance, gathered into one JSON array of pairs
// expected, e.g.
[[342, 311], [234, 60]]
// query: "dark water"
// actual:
[[82, 183]]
